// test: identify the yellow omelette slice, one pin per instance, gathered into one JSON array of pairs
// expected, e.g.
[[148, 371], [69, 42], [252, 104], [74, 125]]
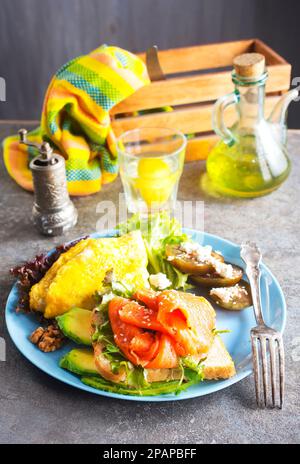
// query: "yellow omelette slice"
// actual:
[[78, 273]]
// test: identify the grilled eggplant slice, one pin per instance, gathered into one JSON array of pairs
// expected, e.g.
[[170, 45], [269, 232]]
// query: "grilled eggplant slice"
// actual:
[[233, 298], [216, 280], [188, 263]]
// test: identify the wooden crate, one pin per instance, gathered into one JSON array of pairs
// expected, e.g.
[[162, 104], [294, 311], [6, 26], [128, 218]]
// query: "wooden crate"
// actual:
[[196, 77]]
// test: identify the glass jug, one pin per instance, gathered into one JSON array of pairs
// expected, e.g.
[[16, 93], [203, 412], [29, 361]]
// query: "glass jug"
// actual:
[[251, 159]]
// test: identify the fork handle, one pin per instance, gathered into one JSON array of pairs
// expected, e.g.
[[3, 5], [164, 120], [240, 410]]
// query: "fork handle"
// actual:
[[253, 273]]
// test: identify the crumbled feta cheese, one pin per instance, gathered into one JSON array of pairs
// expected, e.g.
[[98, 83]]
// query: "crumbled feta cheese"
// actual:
[[199, 252], [223, 269], [159, 281], [227, 294], [204, 253], [189, 247]]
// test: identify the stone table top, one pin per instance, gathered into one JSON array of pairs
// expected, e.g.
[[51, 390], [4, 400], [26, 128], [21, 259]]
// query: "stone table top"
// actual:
[[34, 408]]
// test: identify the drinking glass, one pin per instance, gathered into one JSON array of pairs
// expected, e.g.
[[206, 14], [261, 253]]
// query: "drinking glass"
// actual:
[[151, 162]]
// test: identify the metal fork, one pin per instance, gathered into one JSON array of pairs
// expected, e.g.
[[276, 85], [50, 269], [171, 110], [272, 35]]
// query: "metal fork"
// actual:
[[267, 344]]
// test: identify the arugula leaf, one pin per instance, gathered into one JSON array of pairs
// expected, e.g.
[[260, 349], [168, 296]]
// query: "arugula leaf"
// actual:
[[189, 363], [111, 348]]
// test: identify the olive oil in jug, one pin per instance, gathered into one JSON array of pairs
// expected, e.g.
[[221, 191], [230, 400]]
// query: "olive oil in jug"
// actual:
[[251, 158]]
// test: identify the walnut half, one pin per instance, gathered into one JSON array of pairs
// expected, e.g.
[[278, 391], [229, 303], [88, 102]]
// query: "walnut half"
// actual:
[[47, 339]]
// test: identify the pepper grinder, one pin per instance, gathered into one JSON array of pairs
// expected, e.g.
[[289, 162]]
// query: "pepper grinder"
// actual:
[[53, 211]]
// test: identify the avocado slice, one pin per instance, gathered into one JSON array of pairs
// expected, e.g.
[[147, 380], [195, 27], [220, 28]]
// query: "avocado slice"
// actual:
[[80, 361], [76, 325], [155, 388]]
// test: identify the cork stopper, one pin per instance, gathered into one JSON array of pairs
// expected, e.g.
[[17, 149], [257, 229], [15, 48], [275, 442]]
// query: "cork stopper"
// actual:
[[249, 65]]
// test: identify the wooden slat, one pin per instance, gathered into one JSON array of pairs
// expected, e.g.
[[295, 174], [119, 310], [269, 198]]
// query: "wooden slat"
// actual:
[[195, 89], [217, 55], [271, 56], [200, 147], [279, 78], [200, 57], [188, 120], [177, 91]]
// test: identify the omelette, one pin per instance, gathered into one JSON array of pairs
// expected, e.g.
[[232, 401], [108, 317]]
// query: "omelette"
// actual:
[[78, 273]]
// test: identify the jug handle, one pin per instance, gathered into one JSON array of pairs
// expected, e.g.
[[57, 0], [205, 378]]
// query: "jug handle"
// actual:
[[218, 123]]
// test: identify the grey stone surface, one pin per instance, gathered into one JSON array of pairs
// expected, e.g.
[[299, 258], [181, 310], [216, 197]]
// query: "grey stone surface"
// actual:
[[35, 408]]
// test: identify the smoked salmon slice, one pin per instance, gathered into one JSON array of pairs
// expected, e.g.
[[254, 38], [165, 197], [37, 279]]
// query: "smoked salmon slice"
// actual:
[[123, 333], [189, 320], [166, 357], [141, 316], [175, 324], [141, 347], [148, 297]]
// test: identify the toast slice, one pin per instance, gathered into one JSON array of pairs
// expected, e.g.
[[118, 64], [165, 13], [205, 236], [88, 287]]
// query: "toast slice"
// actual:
[[219, 363]]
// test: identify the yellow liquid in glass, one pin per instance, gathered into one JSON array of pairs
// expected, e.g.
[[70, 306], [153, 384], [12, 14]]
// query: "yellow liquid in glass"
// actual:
[[151, 182], [155, 180]]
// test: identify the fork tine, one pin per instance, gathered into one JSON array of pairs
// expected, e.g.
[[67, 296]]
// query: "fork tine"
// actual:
[[281, 370], [272, 348], [256, 368], [263, 344]]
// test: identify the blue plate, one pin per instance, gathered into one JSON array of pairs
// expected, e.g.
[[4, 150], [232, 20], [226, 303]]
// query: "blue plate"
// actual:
[[237, 341]]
